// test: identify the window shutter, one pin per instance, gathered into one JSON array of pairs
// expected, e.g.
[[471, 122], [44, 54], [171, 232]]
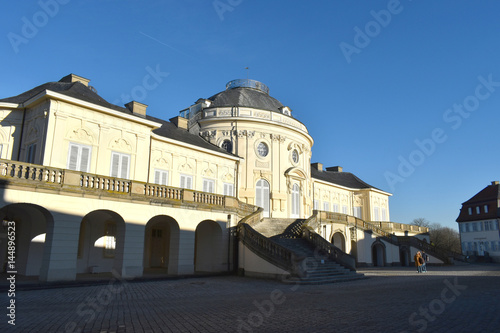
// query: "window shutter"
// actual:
[[85, 159], [189, 181], [124, 166], [157, 177], [115, 164], [183, 181], [164, 178], [205, 185], [73, 157]]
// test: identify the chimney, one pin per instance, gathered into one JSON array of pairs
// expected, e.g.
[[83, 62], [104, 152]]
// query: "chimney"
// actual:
[[75, 78], [334, 169], [137, 108], [317, 166], [180, 122], [495, 182]]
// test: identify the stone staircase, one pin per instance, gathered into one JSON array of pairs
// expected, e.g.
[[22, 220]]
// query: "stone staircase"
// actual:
[[316, 268]]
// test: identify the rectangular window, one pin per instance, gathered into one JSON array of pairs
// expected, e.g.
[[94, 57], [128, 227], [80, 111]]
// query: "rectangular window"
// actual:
[[79, 157], [375, 214], [335, 208], [229, 189], [494, 246], [31, 153], [486, 246], [120, 164], [186, 182], [344, 209], [161, 177], [487, 225], [469, 246], [357, 212], [208, 185], [326, 206], [384, 214], [486, 208], [480, 226], [474, 226], [316, 204], [478, 210], [495, 225], [466, 229], [470, 210]]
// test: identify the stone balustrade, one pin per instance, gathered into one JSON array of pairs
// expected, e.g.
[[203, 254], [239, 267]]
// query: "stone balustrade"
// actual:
[[14, 173]]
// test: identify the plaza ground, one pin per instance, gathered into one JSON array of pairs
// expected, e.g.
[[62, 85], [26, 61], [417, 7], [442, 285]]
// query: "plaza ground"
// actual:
[[391, 299]]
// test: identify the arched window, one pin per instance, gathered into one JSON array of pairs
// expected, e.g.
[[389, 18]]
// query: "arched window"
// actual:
[[262, 195]]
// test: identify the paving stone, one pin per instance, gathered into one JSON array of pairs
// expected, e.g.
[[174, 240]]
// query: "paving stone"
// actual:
[[446, 299]]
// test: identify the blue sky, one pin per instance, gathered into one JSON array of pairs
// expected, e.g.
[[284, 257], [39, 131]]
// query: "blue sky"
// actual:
[[404, 94]]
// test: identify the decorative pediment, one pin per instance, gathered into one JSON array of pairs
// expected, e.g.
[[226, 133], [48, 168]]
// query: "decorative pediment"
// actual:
[[186, 168], [121, 144], [81, 135], [296, 172]]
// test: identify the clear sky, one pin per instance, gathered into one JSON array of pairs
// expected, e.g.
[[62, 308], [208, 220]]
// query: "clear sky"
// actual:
[[404, 94]]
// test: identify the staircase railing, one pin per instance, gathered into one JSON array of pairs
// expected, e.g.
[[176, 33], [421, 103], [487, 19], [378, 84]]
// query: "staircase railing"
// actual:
[[266, 248], [324, 247], [433, 250]]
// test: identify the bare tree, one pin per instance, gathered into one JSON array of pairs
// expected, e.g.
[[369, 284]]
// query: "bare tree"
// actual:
[[444, 237], [421, 222]]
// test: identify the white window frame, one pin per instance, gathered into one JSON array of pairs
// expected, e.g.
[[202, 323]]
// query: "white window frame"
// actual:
[[485, 206], [316, 204], [344, 209], [384, 214], [376, 214], [186, 181], [121, 163], [358, 212], [336, 208], [229, 189], [79, 166], [478, 209], [262, 196], [161, 177], [326, 206], [208, 185], [295, 201]]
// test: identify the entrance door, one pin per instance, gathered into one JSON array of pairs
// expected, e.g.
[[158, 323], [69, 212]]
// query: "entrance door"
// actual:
[[295, 201], [262, 195], [157, 248]]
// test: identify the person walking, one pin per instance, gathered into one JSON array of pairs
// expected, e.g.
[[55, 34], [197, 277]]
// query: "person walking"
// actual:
[[425, 259], [418, 261]]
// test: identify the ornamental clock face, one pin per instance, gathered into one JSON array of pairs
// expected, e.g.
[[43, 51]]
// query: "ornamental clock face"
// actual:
[[295, 156], [262, 149]]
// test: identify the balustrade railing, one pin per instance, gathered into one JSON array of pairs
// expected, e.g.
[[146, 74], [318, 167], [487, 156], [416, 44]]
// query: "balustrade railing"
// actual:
[[98, 182], [209, 198], [30, 172], [162, 192]]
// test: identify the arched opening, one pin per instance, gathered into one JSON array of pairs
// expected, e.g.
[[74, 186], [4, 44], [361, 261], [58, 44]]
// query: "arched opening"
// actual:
[[404, 257], [338, 240], [295, 201], [208, 250], [161, 245], [378, 254], [262, 196], [100, 242], [30, 223]]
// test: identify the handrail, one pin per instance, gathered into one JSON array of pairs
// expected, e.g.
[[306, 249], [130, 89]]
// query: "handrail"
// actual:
[[441, 253], [323, 246], [266, 248]]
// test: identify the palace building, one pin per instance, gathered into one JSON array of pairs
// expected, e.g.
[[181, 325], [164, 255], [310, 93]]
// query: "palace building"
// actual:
[[227, 185]]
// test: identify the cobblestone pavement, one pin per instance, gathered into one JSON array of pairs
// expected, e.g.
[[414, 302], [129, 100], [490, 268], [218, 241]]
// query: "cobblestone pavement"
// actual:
[[446, 299]]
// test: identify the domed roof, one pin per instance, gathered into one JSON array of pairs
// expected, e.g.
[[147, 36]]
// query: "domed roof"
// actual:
[[246, 93]]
